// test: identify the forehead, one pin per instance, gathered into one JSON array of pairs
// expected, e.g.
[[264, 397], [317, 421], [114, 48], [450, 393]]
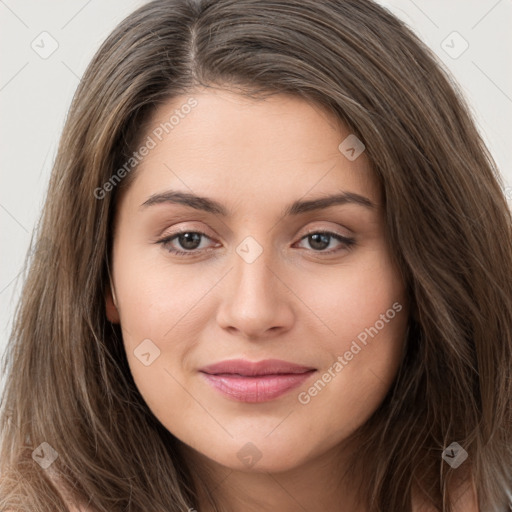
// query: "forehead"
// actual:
[[220, 143]]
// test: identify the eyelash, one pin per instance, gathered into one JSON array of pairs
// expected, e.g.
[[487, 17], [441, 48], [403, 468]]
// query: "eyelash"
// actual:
[[348, 242]]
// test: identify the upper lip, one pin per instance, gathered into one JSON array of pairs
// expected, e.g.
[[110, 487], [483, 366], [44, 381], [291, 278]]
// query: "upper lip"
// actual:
[[252, 369]]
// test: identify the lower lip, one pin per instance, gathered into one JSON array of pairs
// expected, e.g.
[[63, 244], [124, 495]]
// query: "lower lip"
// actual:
[[256, 389]]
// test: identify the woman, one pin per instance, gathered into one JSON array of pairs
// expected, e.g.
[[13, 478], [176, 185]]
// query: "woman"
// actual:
[[272, 273]]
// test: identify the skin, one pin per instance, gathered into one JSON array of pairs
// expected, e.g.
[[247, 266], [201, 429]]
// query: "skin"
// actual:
[[294, 302]]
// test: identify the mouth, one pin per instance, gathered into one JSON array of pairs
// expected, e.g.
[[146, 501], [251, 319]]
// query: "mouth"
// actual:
[[254, 382]]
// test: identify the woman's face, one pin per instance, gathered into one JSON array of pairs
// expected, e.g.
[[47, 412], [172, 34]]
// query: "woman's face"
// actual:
[[247, 183]]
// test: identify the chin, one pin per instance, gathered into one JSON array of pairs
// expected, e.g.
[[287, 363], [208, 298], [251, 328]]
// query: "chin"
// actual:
[[257, 456]]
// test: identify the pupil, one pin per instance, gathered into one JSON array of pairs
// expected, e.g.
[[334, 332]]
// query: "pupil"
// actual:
[[319, 238], [189, 238]]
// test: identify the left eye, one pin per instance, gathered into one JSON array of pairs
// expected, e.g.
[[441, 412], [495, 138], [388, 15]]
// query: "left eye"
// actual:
[[191, 241], [321, 240]]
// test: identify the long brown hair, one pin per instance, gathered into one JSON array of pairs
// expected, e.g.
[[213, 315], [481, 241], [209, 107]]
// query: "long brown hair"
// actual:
[[68, 383]]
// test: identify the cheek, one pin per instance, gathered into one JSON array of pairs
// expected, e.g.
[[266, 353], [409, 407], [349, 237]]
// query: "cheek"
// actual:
[[353, 297], [366, 313], [356, 378], [160, 330], [157, 298], [158, 308]]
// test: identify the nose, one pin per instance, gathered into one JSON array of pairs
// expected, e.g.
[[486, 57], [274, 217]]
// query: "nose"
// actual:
[[257, 303]]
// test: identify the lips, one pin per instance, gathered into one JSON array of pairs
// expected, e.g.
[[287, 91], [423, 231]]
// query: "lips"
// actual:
[[261, 381]]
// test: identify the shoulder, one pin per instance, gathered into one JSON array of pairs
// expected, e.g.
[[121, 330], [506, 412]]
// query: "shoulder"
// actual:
[[63, 491], [465, 499], [66, 494]]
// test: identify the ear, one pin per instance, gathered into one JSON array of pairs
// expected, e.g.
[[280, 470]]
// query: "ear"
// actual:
[[111, 306]]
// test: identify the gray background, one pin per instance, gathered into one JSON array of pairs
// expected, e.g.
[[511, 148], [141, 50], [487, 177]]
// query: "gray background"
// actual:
[[36, 88]]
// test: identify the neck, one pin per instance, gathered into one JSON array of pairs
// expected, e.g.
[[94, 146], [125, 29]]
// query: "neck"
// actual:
[[317, 485]]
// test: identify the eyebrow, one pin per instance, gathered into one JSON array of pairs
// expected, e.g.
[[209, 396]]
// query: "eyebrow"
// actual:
[[296, 208]]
